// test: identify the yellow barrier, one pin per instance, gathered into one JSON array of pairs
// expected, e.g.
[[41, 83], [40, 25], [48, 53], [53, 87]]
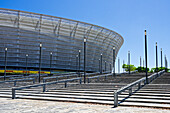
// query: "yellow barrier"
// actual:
[[23, 71]]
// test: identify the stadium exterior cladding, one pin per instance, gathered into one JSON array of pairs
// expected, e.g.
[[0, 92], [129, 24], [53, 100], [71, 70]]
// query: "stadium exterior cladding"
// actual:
[[22, 32]]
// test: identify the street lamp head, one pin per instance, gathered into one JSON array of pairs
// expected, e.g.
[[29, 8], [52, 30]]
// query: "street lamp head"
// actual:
[[76, 55], [145, 32], [79, 51], [99, 59], [156, 43], [51, 53], [101, 54], [105, 61], [128, 51], [6, 49], [161, 49], [113, 47], [85, 39], [40, 45], [26, 55]]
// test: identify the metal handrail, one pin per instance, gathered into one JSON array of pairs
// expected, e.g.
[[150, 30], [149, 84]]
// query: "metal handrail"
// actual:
[[56, 77], [18, 80], [138, 82], [43, 85]]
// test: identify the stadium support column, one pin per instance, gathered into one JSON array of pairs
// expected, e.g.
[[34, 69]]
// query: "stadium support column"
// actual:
[[146, 58], [161, 58], [51, 55], [26, 59], [79, 62], [85, 60], [113, 60], [40, 63], [5, 63], [156, 58]]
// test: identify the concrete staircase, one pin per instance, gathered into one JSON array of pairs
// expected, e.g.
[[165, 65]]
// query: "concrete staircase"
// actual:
[[156, 94]]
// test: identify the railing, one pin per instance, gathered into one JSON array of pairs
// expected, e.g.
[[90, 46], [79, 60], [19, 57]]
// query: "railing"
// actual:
[[18, 80], [43, 85], [105, 75], [138, 82], [56, 77]]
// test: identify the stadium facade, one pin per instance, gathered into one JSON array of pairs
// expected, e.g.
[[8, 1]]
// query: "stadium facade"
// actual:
[[22, 32]]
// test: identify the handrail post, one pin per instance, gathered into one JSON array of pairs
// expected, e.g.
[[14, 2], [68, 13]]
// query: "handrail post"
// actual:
[[44, 88], [80, 80], [14, 83], [139, 85], [13, 93], [115, 99], [33, 81], [88, 80], [65, 84], [130, 91]]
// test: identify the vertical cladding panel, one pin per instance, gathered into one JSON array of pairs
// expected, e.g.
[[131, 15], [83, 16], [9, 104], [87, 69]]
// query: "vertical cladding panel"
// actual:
[[22, 33]]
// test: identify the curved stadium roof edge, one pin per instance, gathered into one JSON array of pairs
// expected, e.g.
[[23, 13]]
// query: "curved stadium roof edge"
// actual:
[[64, 19]]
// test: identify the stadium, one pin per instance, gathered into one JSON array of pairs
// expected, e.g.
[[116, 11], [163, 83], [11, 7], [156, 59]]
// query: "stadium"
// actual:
[[23, 32]]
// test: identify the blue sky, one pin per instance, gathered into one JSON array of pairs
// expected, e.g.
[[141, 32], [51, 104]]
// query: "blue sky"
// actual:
[[127, 17]]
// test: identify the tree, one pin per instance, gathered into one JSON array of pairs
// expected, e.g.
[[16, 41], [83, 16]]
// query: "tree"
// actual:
[[126, 67]]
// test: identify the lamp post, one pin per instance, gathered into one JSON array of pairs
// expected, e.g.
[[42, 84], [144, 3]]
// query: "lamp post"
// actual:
[[26, 59], [113, 60], [101, 65], [156, 58], [129, 60], [85, 60], [146, 58], [140, 63], [110, 67], [161, 58], [105, 66], [118, 65], [165, 64], [51, 55], [79, 62], [5, 63], [123, 64], [40, 62], [143, 63]]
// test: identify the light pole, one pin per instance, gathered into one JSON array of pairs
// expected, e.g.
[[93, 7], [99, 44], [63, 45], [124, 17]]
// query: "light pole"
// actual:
[[79, 62], [101, 65], [123, 64], [110, 67], [129, 60], [143, 63], [26, 59], [85, 60], [40, 62], [146, 58], [105, 66], [5, 63], [113, 60], [118, 65], [140, 63], [156, 58], [51, 55], [161, 58]]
